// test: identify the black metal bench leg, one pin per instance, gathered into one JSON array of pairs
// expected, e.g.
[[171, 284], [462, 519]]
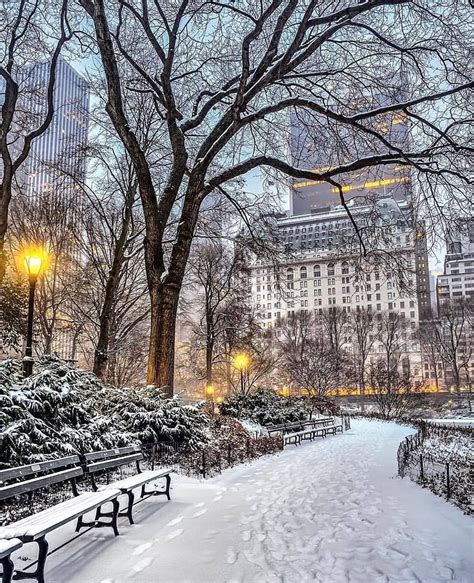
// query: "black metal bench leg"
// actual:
[[98, 513], [39, 573], [43, 553], [168, 484], [7, 569], [131, 498], [116, 506], [79, 524]]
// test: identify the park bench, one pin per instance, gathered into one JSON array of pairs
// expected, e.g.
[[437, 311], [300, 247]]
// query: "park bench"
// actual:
[[299, 436], [111, 459], [299, 425], [7, 547], [311, 433], [33, 477], [333, 429]]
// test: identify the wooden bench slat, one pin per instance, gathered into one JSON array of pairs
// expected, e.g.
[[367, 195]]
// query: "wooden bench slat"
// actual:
[[111, 453], [136, 480], [30, 469], [37, 483], [113, 463]]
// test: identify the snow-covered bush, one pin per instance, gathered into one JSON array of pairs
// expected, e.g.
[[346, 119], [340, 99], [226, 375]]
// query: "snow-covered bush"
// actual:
[[61, 410], [265, 407]]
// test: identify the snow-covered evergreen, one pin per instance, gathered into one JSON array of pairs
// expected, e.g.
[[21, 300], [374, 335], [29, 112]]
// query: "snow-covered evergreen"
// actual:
[[61, 410], [264, 406]]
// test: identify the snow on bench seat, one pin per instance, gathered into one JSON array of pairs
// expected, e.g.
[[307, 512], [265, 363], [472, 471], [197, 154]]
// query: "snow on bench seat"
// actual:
[[299, 436], [36, 526], [7, 547], [138, 480]]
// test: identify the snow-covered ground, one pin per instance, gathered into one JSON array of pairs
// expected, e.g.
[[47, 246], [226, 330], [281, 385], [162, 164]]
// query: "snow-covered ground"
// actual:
[[330, 511]]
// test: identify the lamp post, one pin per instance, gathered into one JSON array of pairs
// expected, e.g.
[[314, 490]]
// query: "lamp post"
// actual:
[[34, 261], [241, 362]]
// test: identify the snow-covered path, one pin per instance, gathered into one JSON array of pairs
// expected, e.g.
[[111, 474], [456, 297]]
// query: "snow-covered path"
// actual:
[[330, 511]]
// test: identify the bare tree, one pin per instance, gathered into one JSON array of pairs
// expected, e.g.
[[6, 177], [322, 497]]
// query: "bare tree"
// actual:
[[308, 357], [262, 362], [361, 325], [224, 105], [113, 299], [391, 377], [393, 389], [454, 339], [430, 348], [211, 277], [27, 29]]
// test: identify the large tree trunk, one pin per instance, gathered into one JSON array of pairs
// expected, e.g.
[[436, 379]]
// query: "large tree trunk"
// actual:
[[5, 197], [163, 309], [209, 345], [101, 353]]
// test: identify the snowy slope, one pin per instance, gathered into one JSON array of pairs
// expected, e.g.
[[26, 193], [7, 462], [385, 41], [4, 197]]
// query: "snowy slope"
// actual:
[[329, 511]]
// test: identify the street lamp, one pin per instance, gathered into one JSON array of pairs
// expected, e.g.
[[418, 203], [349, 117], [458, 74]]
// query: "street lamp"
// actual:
[[241, 362], [34, 261], [209, 390]]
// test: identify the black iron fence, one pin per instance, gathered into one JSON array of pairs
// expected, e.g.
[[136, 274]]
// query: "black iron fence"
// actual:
[[211, 460], [445, 474]]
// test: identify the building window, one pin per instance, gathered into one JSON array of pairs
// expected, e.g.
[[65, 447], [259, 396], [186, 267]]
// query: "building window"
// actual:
[[331, 269], [345, 268], [303, 272], [317, 271]]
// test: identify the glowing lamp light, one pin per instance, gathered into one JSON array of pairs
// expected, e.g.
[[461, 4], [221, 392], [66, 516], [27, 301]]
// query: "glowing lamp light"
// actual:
[[219, 400], [209, 390], [34, 261], [241, 361]]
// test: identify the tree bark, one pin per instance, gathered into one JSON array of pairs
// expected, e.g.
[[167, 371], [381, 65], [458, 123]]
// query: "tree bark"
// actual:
[[164, 308]]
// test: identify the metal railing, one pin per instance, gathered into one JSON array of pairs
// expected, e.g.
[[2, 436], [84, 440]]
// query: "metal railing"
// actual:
[[451, 478], [210, 460]]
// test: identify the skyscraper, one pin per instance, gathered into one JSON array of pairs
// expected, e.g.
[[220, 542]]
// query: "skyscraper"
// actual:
[[48, 198], [57, 158], [318, 143]]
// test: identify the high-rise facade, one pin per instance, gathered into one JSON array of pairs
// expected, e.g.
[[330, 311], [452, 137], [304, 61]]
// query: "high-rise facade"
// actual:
[[57, 159], [318, 143], [455, 319], [49, 188], [323, 270], [457, 279]]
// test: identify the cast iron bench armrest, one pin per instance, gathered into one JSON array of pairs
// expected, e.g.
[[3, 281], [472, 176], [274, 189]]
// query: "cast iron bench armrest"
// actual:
[[7, 547]]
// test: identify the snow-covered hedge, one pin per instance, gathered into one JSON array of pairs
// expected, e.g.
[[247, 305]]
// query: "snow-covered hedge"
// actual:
[[61, 410], [441, 459], [264, 407]]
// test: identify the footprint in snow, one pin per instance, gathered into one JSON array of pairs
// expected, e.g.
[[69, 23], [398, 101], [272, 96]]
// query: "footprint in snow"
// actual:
[[397, 553], [175, 521], [143, 564], [217, 498], [199, 505], [231, 556], [174, 534], [200, 513], [141, 549]]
